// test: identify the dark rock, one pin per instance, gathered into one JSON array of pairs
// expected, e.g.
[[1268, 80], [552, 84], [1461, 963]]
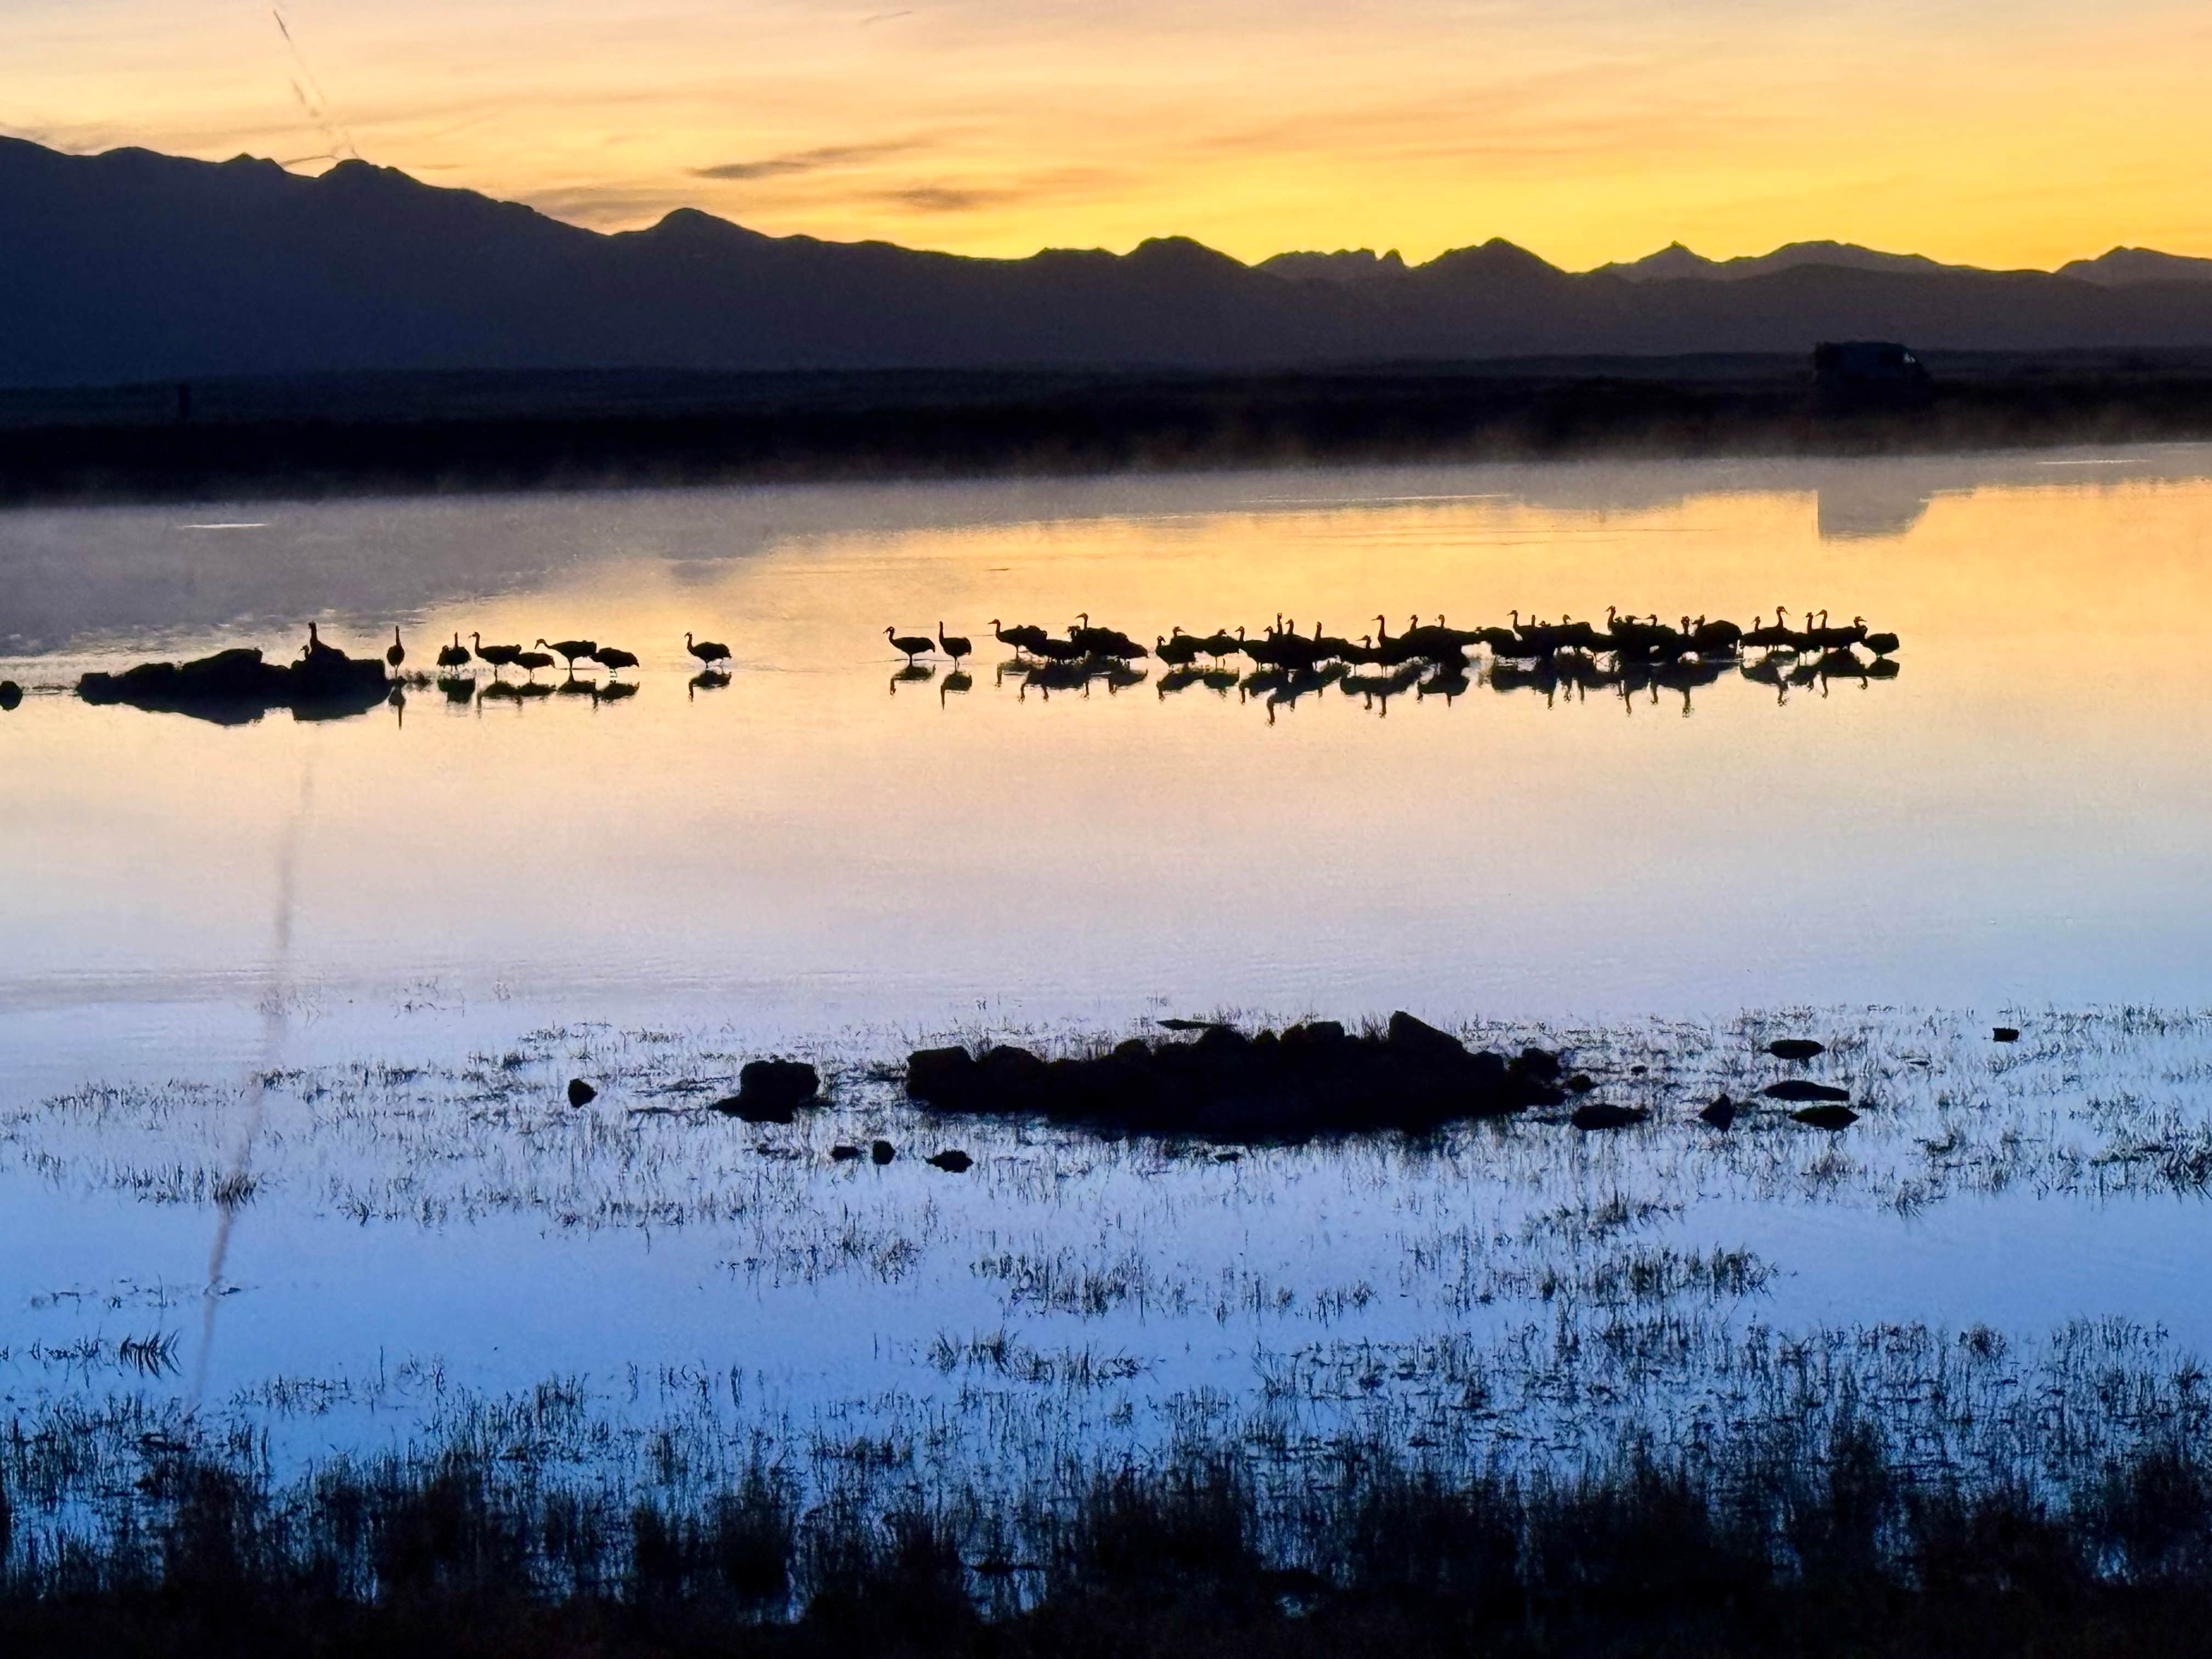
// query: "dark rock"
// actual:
[[2005, 1034], [1798, 1049], [771, 1090], [944, 1078], [1598, 1114], [1581, 1083], [842, 1153], [581, 1093], [1798, 1088], [1226, 1086], [1222, 1040], [1423, 1042], [232, 688], [1315, 1036], [751, 1111], [11, 695], [952, 1161], [1538, 1064], [1009, 1076], [1721, 1114], [1826, 1117], [882, 1152]]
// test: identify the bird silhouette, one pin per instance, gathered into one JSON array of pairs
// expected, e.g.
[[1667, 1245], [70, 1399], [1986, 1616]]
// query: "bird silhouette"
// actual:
[[1058, 650], [1332, 647], [1767, 637], [613, 658], [709, 652], [1104, 642], [499, 656], [954, 646], [913, 644], [530, 661], [1179, 650], [315, 651], [455, 655], [1022, 637], [569, 650], [395, 653]]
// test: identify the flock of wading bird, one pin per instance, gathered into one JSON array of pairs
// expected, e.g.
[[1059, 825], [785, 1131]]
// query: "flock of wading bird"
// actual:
[[456, 662], [1627, 654]]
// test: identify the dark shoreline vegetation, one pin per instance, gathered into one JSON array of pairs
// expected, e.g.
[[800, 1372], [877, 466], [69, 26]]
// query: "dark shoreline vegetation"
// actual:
[[372, 434], [1826, 1539]]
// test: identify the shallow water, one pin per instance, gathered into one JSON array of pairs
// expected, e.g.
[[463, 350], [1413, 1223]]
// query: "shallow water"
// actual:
[[2021, 817], [420, 922]]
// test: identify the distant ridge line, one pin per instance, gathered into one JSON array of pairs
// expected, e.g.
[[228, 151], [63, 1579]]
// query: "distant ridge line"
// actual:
[[134, 266]]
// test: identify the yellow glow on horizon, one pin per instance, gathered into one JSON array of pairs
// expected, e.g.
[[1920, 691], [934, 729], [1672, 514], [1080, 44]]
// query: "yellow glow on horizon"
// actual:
[[2018, 135]]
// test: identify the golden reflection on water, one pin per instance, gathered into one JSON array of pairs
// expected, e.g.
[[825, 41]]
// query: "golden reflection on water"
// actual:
[[2021, 814]]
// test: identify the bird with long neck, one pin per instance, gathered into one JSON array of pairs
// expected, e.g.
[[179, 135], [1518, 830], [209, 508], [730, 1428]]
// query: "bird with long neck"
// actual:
[[569, 650], [499, 656]]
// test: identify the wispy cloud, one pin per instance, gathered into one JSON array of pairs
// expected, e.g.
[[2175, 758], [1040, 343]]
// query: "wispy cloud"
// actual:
[[813, 161], [945, 198], [609, 205], [939, 197]]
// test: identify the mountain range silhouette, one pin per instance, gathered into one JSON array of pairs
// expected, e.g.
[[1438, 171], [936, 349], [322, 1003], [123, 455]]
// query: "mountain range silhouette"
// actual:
[[133, 266]]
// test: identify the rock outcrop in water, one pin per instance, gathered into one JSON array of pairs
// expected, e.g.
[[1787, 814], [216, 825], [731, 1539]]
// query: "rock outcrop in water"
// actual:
[[1800, 1089], [233, 688], [1310, 1079], [772, 1091]]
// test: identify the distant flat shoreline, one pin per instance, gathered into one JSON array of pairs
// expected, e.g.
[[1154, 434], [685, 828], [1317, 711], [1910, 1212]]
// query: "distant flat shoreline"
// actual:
[[370, 434]]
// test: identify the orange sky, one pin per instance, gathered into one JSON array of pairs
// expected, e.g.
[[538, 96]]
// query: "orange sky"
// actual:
[[2022, 134]]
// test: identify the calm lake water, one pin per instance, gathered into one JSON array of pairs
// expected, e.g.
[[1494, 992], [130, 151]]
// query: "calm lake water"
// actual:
[[425, 919], [2021, 817]]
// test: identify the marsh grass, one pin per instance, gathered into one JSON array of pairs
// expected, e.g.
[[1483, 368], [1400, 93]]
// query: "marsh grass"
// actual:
[[1507, 1377], [2096, 1105], [1219, 1544]]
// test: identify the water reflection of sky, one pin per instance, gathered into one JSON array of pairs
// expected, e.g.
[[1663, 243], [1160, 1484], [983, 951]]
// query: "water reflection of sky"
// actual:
[[2021, 814]]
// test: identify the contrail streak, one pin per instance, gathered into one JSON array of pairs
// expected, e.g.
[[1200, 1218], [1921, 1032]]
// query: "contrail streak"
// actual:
[[313, 99], [276, 1020]]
